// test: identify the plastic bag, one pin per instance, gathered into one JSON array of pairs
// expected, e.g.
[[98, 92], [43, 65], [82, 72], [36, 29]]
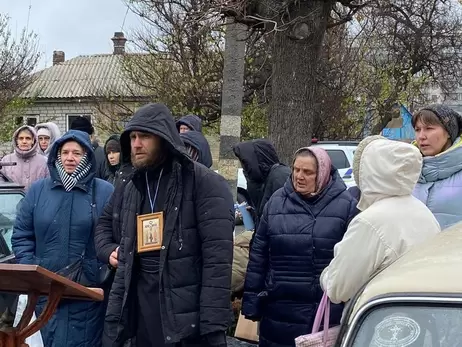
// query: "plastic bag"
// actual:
[[36, 339]]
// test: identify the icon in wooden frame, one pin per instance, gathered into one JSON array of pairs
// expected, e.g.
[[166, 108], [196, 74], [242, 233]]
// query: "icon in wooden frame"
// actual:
[[150, 229]]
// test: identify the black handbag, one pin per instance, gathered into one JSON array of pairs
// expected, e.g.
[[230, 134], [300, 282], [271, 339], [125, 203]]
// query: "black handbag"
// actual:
[[74, 271]]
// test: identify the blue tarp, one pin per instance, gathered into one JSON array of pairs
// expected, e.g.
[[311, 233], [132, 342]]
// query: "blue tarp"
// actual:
[[406, 132]]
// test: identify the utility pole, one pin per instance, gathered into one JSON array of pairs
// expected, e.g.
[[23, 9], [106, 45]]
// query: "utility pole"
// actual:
[[231, 106]]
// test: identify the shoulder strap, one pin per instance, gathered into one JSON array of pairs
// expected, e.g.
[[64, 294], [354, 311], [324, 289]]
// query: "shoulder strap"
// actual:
[[94, 217]]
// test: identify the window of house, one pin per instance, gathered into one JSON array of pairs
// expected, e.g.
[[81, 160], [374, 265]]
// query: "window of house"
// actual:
[[31, 120], [338, 158], [72, 117]]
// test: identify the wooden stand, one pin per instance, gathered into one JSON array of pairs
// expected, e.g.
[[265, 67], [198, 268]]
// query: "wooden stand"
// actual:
[[36, 281]]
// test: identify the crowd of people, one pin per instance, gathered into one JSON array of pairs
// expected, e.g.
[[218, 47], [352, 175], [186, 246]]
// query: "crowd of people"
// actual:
[[146, 219]]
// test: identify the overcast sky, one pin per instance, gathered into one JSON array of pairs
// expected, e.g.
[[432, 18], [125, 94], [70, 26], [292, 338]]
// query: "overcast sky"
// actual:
[[76, 27]]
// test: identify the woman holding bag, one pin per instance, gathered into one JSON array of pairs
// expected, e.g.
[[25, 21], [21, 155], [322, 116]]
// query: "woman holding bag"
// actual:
[[391, 220], [300, 226], [54, 229]]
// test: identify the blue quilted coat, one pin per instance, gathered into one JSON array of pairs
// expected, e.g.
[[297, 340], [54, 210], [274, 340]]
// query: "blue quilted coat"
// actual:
[[440, 185], [51, 230], [293, 244]]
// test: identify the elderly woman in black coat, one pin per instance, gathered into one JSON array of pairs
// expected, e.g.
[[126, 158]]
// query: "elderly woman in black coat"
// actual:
[[295, 241]]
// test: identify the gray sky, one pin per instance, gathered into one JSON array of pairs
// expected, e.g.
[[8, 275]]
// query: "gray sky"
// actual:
[[76, 27]]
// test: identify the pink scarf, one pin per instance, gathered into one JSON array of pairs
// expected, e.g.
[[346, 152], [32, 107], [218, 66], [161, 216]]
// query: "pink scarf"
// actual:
[[324, 167]]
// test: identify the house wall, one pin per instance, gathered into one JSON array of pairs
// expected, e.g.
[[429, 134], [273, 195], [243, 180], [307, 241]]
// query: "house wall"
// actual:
[[51, 112], [57, 112]]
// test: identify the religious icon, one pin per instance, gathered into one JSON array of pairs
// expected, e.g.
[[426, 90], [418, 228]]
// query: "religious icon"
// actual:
[[150, 231]]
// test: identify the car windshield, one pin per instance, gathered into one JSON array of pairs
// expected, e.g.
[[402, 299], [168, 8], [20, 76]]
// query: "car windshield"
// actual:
[[8, 209], [338, 158], [410, 325]]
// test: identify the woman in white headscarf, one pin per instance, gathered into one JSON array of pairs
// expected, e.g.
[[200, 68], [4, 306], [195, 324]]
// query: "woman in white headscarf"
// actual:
[[391, 221], [47, 134]]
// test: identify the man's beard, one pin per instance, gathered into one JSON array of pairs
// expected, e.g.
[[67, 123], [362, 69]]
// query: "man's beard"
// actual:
[[150, 160]]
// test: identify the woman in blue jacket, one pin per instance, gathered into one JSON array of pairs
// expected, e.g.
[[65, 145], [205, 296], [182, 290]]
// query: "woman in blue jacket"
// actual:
[[295, 241], [438, 131], [54, 229]]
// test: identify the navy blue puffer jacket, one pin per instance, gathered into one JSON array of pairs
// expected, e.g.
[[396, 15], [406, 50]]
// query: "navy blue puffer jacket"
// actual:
[[293, 244]]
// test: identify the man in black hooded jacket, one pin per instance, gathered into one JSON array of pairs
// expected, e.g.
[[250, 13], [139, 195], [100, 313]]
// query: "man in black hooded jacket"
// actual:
[[262, 169], [178, 295]]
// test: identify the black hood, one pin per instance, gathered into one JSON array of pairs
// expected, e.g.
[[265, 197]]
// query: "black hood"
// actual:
[[192, 121], [154, 119], [256, 157], [198, 141]]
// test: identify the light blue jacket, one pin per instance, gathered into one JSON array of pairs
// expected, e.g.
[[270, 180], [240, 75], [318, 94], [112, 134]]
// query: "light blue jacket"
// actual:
[[440, 185]]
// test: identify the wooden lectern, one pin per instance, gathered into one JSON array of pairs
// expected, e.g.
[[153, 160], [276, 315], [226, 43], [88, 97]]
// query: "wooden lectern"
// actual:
[[36, 281]]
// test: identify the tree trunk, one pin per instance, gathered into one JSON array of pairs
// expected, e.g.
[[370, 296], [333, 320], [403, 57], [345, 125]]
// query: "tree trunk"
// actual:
[[231, 107], [296, 52]]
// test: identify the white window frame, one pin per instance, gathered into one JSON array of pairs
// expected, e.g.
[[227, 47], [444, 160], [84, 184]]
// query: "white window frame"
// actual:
[[68, 115]]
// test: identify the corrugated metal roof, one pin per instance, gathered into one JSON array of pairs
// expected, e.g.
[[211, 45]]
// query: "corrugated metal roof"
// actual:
[[82, 77]]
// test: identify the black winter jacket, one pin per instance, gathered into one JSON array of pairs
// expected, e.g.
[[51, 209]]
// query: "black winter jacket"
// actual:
[[196, 259], [355, 192], [100, 156], [264, 173], [108, 233], [123, 172]]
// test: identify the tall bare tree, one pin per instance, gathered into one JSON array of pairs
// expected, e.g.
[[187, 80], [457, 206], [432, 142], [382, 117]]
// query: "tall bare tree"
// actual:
[[18, 58], [297, 28], [412, 40], [402, 47], [183, 58], [182, 46]]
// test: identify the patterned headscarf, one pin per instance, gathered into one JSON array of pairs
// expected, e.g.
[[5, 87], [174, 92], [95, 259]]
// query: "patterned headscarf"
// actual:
[[81, 171], [192, 152], [324, 166]]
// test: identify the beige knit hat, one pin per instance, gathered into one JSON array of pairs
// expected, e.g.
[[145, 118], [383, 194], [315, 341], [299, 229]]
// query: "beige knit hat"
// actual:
[[359, 152]]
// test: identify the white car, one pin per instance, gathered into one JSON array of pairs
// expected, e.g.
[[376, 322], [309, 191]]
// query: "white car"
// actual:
[[341, 154]]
